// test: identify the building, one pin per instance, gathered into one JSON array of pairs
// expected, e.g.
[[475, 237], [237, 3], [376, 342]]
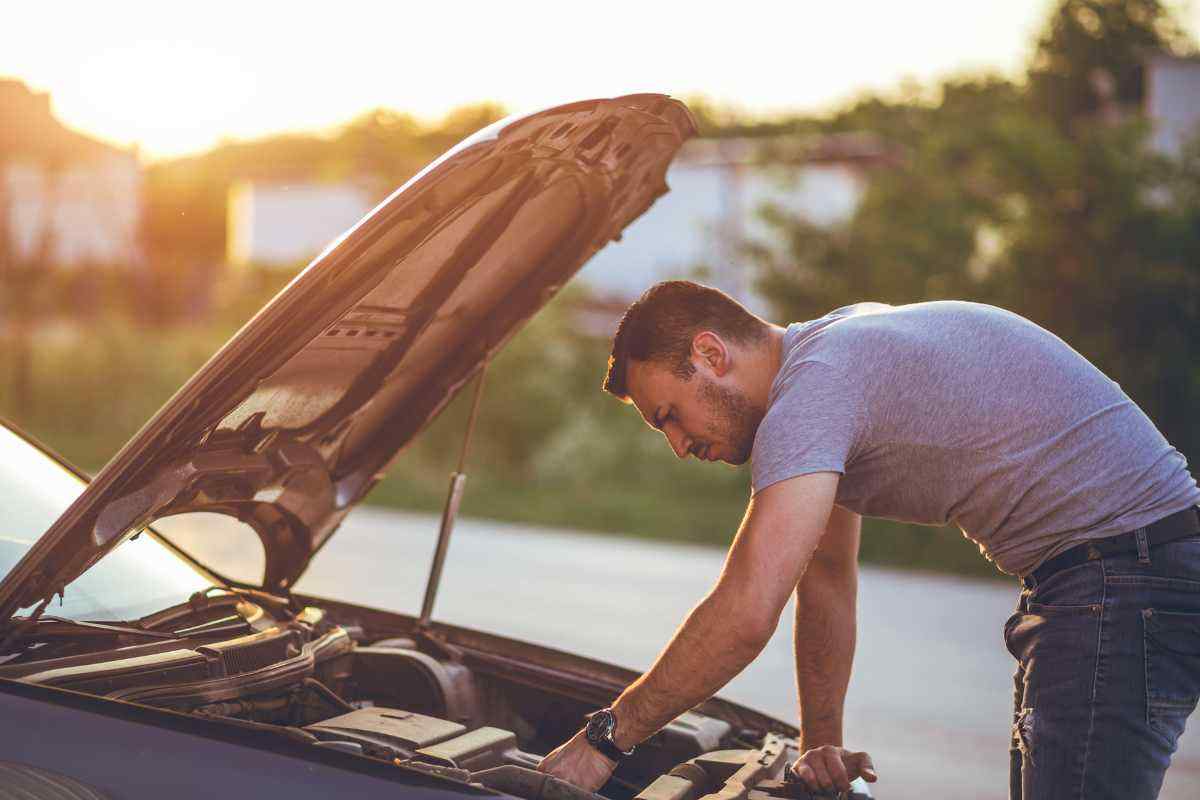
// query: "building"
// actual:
[[719, 189], [284, 225], [66, 200], [1171, 100]]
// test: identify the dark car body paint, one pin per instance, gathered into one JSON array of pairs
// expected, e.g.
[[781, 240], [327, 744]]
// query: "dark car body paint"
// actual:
[[130, 751]]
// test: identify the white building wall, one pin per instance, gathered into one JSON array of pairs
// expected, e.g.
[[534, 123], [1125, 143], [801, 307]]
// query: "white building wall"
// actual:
[[86, 214], [283, 225], [1173, 102]]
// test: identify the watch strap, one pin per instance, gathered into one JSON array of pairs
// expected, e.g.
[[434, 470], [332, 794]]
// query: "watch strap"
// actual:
[[609, 749]]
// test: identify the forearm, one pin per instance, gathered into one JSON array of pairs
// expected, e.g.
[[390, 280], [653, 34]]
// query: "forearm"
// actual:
[[715, 642], [825, 636]]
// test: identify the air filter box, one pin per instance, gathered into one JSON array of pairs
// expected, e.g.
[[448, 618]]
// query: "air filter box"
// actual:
[[401, 732]]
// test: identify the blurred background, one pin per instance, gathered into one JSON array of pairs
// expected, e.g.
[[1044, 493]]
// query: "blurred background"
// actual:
[[161, 178]]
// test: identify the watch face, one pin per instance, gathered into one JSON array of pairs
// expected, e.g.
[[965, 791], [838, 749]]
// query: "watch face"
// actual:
[[600, 725]]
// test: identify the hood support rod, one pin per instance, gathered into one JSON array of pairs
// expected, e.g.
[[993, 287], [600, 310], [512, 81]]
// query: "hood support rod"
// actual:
[[458, 480]]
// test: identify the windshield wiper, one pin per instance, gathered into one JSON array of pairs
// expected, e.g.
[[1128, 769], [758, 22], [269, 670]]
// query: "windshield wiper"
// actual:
[[46, 626], [84, 626]]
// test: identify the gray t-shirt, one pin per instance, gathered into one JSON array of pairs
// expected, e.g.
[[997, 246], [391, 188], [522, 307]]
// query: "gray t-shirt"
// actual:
[[961, 412]]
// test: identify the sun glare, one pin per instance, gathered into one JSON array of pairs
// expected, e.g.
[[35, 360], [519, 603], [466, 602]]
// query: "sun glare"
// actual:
[[171, 94]]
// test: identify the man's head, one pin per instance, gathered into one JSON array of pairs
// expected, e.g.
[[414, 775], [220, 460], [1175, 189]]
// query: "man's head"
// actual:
[[696, 364]]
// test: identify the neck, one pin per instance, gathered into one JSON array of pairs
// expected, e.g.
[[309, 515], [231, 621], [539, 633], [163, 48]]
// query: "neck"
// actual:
[[765, 365]]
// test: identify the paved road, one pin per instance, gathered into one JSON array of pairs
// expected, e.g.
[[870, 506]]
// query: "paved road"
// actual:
[[931, 691]]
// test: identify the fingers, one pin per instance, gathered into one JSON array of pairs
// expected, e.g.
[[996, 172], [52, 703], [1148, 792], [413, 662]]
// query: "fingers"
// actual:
[[821, 769], [804, 773], [859, 765], [837, 773], [831, 768]]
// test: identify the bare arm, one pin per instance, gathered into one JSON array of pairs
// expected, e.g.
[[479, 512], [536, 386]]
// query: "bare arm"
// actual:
[[825, 630], [726, 630], [826, 602]]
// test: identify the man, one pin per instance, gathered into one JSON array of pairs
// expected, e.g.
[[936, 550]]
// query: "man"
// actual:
[[931, 413]]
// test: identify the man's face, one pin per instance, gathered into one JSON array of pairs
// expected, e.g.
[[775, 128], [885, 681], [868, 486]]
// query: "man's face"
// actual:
[[707, 416]]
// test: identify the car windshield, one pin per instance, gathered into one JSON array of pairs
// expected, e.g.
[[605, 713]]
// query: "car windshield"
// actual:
[[138, 578]]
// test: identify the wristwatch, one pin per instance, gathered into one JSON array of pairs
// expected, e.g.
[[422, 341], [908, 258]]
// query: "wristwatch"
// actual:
[[599, 731]]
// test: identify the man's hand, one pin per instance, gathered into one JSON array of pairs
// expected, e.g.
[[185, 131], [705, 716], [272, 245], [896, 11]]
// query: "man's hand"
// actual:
[[579, 763], [830, 769]]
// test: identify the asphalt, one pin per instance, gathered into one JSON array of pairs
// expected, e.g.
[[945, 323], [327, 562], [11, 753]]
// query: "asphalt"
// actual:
[[931, 692]]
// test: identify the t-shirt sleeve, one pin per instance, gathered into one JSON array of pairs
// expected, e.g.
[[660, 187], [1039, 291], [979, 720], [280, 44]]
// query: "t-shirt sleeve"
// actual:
[[814, 424]]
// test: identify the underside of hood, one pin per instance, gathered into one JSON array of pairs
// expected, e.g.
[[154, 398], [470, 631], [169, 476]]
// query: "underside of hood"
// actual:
[[295, 419]]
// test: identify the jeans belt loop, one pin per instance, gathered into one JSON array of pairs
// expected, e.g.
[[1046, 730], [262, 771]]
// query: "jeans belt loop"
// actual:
[[1143, 546]]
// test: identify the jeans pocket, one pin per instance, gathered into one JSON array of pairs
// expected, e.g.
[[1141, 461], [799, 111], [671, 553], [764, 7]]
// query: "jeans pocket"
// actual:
[[1172, 652], [1080, 586]]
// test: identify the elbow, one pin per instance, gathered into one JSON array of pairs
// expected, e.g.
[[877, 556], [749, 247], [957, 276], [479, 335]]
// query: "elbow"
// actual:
[[745, 624], [752, 630]]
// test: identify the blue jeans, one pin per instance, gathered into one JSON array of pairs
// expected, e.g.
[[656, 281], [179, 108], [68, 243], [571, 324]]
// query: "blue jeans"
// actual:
[[1108, 670]]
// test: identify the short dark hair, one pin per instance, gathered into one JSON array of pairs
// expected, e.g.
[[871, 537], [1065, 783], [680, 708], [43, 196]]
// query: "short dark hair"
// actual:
[[661, 324]]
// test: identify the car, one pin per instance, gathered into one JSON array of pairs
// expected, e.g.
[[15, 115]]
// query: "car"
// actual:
[[131, 666]]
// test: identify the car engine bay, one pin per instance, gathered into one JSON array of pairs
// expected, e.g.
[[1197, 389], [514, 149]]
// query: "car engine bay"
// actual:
[[379, 686]]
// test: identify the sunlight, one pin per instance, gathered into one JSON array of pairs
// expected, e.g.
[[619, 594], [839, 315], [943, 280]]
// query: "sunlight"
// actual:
[[192, 91]]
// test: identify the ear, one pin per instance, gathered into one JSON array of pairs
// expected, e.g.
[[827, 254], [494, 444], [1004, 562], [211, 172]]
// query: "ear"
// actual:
[[710, 351]]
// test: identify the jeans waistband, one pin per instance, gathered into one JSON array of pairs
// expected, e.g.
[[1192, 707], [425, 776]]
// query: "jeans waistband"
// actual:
[[1174, 526]]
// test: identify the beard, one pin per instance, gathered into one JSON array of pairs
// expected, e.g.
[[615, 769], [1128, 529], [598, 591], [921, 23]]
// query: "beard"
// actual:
[[733, 419]]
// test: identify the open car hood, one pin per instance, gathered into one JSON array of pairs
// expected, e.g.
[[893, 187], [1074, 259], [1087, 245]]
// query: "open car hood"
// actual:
[[295, 419]]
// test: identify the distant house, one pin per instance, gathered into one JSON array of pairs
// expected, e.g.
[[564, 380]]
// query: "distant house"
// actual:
[[66, 200], [1171, 100], [719, 188], [283, 225]]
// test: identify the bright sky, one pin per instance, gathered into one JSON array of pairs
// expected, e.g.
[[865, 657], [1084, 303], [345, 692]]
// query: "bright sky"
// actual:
[[176, 78]]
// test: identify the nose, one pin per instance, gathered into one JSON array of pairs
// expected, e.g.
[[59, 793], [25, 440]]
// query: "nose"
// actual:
[[681, 443]]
